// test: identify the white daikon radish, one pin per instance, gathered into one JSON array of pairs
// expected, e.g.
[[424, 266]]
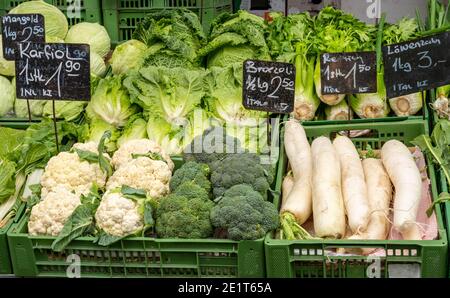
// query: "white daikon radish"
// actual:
[[354, 190], [407, 181], [379, 191], [298, 151], [328, 204], [286, 187]]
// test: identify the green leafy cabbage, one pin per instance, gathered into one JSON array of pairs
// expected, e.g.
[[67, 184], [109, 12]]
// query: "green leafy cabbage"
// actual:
[[126, 56]]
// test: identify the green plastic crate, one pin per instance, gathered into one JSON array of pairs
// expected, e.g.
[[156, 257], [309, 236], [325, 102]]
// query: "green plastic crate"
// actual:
[[445, 188], [5, 260], [90, 9], [120, 17], [306, 259]]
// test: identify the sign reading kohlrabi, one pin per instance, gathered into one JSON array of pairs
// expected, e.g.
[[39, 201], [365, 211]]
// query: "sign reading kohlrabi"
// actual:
[[417, 65]]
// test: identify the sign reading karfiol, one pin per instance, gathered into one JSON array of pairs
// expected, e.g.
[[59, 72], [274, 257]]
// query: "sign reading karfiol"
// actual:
[[18, 28], [53, 71], [417, 65], [348, 73], [268, 86]]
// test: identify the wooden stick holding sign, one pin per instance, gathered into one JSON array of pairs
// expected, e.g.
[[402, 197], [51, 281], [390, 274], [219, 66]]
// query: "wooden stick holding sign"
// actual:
[[53, 71]]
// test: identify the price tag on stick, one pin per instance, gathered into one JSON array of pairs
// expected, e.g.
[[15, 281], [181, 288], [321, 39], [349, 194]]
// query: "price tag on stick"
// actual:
[[53, 71], [348, 73], [268, 86], [417, 65], [18, 28]]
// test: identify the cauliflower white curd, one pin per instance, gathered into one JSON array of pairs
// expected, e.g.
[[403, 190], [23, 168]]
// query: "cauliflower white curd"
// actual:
[[140, 146], [67, 170], [49, 215], [118, 216], [153, 176]]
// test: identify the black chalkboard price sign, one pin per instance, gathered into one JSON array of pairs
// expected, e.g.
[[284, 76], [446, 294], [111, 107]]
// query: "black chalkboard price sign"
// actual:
[[269, 86], [21, 28], [348, 73], [53, 71], [417, 65]]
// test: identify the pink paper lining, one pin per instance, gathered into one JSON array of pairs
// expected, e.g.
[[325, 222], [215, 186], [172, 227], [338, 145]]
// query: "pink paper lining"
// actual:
[[427, 224]]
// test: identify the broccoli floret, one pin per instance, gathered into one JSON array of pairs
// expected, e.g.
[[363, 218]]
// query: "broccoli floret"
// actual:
[[198, 173], [244, 214], [213, 145], [191, 190], [181, 217], [243, 168]]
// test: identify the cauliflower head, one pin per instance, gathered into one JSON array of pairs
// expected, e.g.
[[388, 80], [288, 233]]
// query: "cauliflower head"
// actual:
[[153, 176], [88, 146], [49, 215], [138, 146], [118, 216], [68, 170]]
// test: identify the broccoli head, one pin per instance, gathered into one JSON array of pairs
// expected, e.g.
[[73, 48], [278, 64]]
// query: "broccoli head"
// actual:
[[198, 173], [243, 168], [191, 190], [244, 214], [185, 213], [213, 145]]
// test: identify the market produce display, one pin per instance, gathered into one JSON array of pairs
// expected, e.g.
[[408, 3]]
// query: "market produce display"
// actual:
[[85, 192], [301, 38], [165, 149]]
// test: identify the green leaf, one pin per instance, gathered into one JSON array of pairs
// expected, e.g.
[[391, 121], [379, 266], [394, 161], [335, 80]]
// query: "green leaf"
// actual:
[[104, 239], [81, 221], [148, 215], [88, 156], [102, 160], [443, 198], [7, 179], [151, 155], [78, 223], [133, 193]]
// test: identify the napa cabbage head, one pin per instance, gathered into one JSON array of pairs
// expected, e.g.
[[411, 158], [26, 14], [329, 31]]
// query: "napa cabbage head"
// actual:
[[225, 96], [172, 93], [56, 24], [127, 55], [96, 129], [111, 103], [135, 129], [93, 34]]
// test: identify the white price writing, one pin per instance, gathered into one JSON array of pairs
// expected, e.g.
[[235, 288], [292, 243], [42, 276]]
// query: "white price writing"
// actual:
[[424, 61], [260, 85], [338, 73]]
